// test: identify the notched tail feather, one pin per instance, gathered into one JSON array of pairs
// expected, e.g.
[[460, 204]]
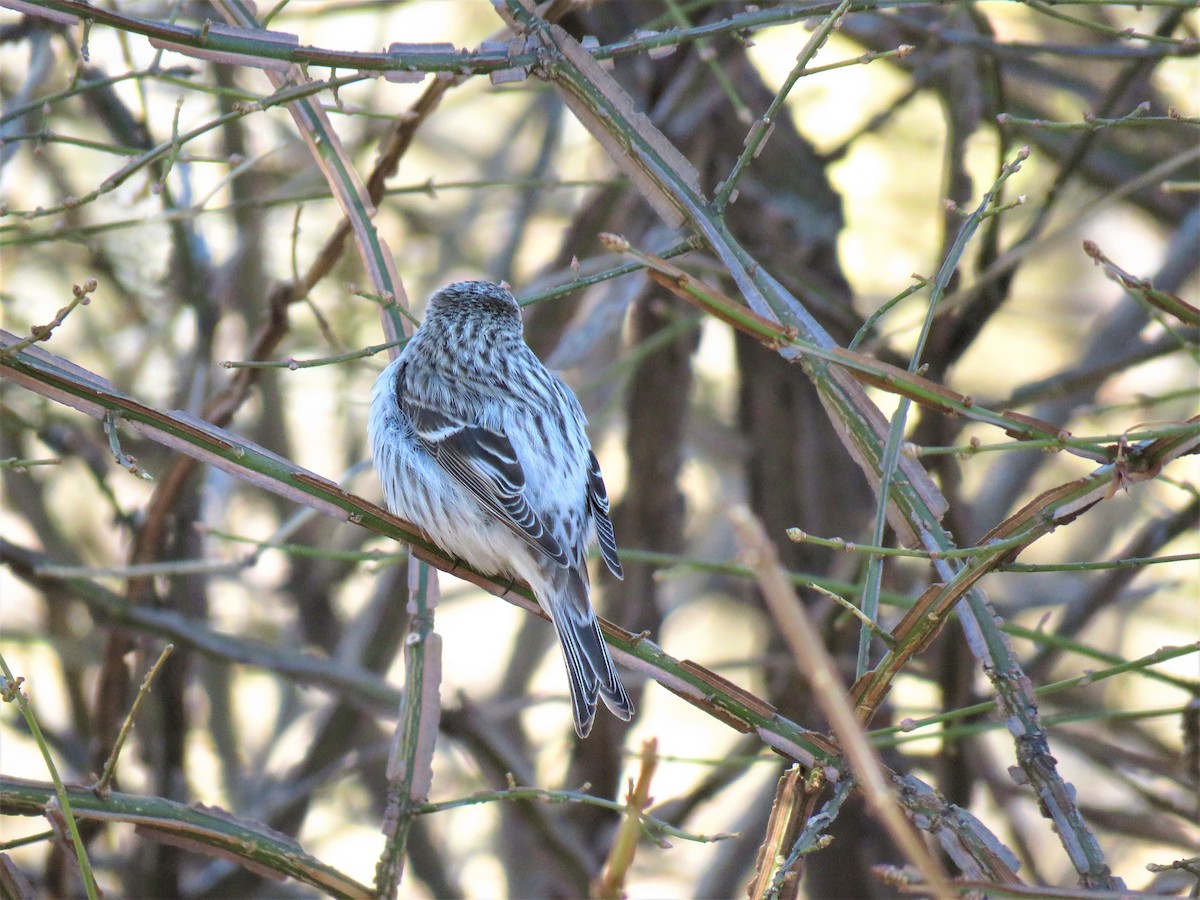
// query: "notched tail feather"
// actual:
[[590, 668]]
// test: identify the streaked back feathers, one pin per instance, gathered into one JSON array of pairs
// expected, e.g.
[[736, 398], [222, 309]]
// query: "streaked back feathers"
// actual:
[[484, 449]]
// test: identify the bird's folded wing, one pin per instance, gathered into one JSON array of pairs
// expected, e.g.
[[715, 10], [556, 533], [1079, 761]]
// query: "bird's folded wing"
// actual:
[[484, 462], [598, 501]]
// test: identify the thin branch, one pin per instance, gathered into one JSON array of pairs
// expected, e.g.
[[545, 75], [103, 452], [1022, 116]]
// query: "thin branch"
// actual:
[[57, 803], [205, 830], [814, 662]]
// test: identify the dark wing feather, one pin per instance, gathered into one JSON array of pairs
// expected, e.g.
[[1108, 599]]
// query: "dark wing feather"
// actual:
[[485, 463], [598, 503]]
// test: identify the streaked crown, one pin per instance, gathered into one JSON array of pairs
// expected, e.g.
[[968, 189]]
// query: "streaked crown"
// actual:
[[477, 302]]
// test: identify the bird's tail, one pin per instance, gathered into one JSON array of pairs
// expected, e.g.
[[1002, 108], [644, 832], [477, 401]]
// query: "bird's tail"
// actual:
[[590, 668]]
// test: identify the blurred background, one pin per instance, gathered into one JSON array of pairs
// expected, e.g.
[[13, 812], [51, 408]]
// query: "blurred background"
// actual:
[[861, 188]]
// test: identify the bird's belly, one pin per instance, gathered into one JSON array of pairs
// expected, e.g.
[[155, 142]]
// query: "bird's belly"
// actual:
[[420, 491]]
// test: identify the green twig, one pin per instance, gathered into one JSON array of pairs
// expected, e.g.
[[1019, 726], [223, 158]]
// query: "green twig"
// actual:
[[1139, 665], [129, 463], [1136, 562], [200, 829], [163, 150], [867, 623], [803, 537], [21, 464], [895, 437], [973, 729], [37, 838], [103, 784], [898, 53], [168, 568], [869, 325], [82, 297], [294, 364], [761, 130], [975, 446], [409, 768], [20, 233], [357, 556], [1126, 34], [708, 55], [13, 691], [654, 828]]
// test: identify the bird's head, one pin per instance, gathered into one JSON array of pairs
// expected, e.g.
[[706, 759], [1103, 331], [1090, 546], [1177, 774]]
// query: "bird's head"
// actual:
[[481, 304]]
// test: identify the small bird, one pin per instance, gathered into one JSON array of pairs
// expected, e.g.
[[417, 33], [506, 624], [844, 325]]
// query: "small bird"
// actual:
[[479, 445]]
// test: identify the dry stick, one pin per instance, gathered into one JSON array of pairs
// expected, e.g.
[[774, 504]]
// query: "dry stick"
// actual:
[[814, 662], [772, 871], [610, 883], [808, 840]]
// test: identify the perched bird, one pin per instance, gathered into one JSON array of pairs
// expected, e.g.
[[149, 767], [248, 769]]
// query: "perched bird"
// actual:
[[479, 445]]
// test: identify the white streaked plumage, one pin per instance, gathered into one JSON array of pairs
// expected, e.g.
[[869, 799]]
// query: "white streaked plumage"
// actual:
[[478, 444]]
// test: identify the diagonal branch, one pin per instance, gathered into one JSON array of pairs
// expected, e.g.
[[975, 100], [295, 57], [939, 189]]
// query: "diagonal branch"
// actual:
[[202, 829], [70, 385]]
